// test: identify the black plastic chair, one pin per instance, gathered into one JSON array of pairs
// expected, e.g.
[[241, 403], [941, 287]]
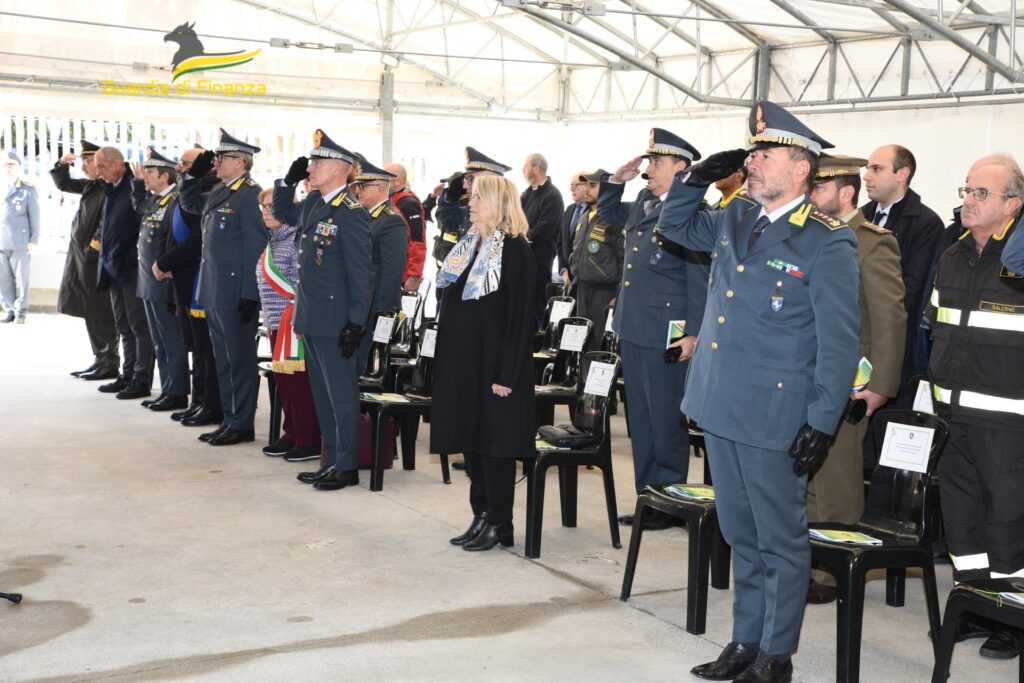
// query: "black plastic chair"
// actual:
[[896, 514], [414, 384], [378, 374], [404, 344], [590, 415], [544, 342], [561, 376], [708, 550], [981, 598]]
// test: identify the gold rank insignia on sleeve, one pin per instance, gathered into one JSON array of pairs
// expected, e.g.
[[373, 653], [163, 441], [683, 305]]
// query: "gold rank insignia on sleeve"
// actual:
[[831, 222]]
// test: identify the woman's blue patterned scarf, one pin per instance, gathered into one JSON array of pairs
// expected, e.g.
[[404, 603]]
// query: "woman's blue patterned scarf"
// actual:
[[485, 274]]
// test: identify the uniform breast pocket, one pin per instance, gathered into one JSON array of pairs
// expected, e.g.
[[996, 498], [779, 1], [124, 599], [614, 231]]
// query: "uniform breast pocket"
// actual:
[[774, 400], [227, 227]]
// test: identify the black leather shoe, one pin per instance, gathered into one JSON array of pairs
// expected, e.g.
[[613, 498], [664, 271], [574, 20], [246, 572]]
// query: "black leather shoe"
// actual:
[[229, 437], [1004, 643], [478, 524], [209, 435], [490, 536], [79, 373], [188, 412], [337, 479], [203, 418], [99, 373], [968, 630], [147, 403], [654, 520], [820, 594], [767, 669], [733, 661], [113, 387], [169, 402], [133, 390], [313, 477], [459, 465], [302, 454], [278, 448]]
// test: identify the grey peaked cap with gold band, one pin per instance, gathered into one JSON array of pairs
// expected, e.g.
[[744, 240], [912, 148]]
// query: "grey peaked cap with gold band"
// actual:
[[326, 148], [666, 143], [228, 143], [771, 124]]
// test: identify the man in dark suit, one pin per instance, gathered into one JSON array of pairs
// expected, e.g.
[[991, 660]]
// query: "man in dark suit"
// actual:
[[570, 220], [542, 204], [117, 271], [896, 207]]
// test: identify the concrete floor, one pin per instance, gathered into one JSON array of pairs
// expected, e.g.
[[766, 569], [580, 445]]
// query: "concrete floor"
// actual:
[[144, 554]]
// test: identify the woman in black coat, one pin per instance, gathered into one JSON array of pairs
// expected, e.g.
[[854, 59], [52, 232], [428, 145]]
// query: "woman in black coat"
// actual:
[[483, 402]]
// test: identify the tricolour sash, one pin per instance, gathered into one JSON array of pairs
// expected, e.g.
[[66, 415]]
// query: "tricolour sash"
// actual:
[[289, 352]]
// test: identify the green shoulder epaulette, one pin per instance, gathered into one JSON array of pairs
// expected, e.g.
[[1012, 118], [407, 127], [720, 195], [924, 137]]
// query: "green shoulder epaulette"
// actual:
[[875, 228], [250, 182], [828, 220]]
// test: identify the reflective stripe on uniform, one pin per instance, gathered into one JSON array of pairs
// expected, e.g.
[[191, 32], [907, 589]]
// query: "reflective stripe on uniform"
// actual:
[[968, 562], [995, 321], [943, 314], [1015, 575], [972, 399]]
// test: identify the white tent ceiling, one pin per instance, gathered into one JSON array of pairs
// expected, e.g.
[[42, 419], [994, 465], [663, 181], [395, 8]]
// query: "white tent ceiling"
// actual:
[[531, 59]]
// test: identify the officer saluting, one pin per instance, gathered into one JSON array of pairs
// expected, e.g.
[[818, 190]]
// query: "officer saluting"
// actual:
[[771, 373], [390, 237], [332, 298], [234, 237], [664, 286], [155, 198], [453, 204]]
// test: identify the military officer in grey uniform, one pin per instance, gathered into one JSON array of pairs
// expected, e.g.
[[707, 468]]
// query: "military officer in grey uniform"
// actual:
[[452, 212], [598, 252], [771, 374], [234, 236], [19, 234], [155, 196], [332, 298], [390, 244], [664, 286]]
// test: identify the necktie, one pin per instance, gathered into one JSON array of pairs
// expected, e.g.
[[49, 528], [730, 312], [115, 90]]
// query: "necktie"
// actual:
[[650, 206], [759, 227], [880, 217], [576, 219]]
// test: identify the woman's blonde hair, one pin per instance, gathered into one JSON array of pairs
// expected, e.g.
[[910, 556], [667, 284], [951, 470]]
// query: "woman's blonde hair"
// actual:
[[501, 196]]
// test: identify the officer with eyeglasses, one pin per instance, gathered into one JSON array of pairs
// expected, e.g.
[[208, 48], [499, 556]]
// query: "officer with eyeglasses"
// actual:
[[234, 236], [977, 361]]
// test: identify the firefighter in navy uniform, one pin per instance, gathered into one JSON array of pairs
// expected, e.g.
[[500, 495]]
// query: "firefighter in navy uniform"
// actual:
[[332, 298], [977, 362]]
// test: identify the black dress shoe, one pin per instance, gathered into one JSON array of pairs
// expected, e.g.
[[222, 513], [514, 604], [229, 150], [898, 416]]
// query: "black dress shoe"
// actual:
[[313, 477], [1004, 643], [820, 594], [733, 661], [99, 373], [229, 437], [113, 387], [654, 520], [278, 448], [148, 402], [302, 454], [188, 412], [203, 418], [477, 525], [337, 479], [209, 435], [767, 669], [169, 402], [459, 465], [490, 536], [133, 390], [79, 373]]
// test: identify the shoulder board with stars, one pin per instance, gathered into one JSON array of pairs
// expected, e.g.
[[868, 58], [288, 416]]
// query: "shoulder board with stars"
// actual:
[[829, 221], [386, 210], [742, 194], [250, 182], [26, 183], [875, 228], [350, 201]]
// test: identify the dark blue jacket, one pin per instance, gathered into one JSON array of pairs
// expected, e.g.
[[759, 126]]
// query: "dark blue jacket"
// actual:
[[119, 236]]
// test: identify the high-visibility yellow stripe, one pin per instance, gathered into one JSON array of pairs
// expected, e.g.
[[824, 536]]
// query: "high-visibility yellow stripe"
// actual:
[[949, 316], [973, 399]]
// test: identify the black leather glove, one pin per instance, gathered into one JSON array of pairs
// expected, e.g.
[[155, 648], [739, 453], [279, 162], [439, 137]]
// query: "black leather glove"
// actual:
[[809, 449], [248, 308], [202, 164], [456, 187], [297, 172], [717, 166], [349, 338]]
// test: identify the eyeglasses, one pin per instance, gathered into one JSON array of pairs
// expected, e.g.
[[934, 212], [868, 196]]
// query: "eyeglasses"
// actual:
[[980, 194], [224, 155], [266, 208], [573, 186]]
